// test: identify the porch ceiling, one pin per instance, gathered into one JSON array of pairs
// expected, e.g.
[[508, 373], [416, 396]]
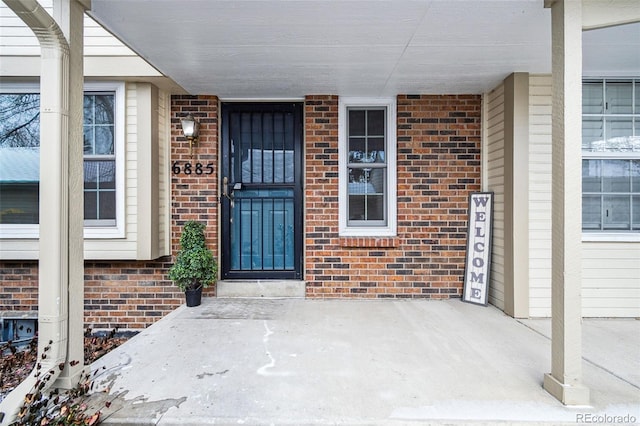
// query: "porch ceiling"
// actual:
[[286, 49]]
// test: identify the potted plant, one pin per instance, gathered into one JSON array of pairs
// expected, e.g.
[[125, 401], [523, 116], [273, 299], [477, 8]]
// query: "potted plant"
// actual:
[[194, 268]]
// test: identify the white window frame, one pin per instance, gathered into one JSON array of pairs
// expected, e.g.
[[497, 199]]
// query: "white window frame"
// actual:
[[600, 235], [32, 231], [390, 228]]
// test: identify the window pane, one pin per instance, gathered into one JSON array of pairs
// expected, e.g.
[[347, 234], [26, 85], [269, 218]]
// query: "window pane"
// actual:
[[592, 98], [356, 207], [19, 120], [619, 132], [358, 181], [375, 207], [375, 123], [375, 146], [19, 179], [367, 194], [107, 175], [107, 205], [636, 212], [19, 203], [357, 122], [104, 109], [635, 176], [100, 194], [619, 98], [99, 124], [377, 178], [366, 208], [593, 134], [591, 211], [90, 205], [357, 147], [88, 110], [89, 142], [637, 106], [616, 212], [615, 176], [104, 141], [591, 176]]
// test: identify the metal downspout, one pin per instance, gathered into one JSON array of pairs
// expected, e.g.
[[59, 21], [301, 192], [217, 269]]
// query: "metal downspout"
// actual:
[[53, 311]]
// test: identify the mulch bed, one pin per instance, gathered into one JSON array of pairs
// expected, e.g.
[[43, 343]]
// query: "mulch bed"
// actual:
[[16, 363]]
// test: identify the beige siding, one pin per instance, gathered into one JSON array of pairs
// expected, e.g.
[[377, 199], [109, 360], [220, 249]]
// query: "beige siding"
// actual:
[[99, 42], [164, 129], [610, 279], [539, 196], [104, 55], [495, 182], [127, 245], [123, 248], [610, 271], [131, 171], [18, 40]]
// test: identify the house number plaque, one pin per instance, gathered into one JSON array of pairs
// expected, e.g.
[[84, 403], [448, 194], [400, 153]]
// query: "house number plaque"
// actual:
[[189, 168]]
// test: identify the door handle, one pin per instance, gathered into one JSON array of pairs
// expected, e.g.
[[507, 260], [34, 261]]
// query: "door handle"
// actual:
[[225, 192]]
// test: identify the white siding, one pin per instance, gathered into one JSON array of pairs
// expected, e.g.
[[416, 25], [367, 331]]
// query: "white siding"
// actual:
[[610, 279], [16, 39], [127, 248], [495, 182], [539, 196], [104, 55], [99, 42], [164, 126], [123, 248], [610, 271]]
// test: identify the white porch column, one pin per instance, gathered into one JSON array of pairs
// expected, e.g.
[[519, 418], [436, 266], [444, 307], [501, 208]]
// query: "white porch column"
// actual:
[[69, 14], [61, 259], [565, 380]]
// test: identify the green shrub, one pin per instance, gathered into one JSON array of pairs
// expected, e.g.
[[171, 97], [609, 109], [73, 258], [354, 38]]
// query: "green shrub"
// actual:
[[194, 265]]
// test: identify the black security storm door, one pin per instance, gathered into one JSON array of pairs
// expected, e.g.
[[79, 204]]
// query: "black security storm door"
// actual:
[[261, 190]]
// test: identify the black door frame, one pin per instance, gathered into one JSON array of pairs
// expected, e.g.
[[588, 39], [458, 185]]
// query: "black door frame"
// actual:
[[296, 108]]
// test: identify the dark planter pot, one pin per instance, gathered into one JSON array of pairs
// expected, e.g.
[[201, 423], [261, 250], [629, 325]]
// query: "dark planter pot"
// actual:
[[194, 297]]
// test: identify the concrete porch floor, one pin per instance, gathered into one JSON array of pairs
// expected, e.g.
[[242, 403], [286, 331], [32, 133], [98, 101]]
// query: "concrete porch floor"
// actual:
[[295, 361]]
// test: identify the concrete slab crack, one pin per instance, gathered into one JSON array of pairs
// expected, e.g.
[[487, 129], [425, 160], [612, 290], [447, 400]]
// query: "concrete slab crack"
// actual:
[[264, 370]]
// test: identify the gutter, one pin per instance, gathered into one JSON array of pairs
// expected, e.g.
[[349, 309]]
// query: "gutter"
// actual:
[[53, 287]]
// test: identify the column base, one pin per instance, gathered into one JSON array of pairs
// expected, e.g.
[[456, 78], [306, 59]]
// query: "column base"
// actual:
[[567, 394], [70, 379]]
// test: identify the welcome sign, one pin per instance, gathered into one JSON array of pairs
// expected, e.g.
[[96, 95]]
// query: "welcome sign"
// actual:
[[478, 261]]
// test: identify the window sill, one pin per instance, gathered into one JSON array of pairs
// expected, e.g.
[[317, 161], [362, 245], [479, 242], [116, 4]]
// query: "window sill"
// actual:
[[611, 237], [375, 242]]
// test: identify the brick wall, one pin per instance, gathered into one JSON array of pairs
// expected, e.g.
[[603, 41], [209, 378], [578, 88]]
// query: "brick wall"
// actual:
[[135, 294], [128, 295], [438, 165], [122, 294], [18, 286], [195, 196]]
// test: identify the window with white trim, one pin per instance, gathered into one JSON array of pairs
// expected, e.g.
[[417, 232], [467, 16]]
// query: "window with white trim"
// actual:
[[103, 160], [611, 155], [367, 163]]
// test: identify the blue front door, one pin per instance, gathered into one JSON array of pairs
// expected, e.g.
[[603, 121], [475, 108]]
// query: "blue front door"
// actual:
[[262, 190]]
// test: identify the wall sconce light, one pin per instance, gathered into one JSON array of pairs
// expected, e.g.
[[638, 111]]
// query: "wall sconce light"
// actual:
[[190, 130]]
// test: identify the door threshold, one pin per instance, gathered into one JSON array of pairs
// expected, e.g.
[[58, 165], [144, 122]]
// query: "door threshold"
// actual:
[[261, 288]]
